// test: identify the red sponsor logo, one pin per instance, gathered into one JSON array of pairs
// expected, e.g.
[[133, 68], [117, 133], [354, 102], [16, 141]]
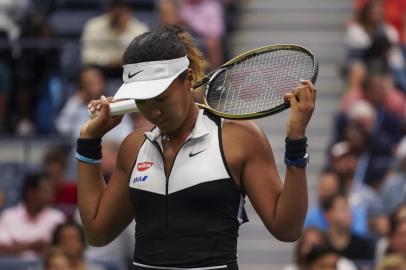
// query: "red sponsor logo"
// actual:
[[143, 166]]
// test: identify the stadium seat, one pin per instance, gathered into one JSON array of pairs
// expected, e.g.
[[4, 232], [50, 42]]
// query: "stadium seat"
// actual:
[[11, 179], [16, 263], [69, 23], [78, 4], [148, 17]]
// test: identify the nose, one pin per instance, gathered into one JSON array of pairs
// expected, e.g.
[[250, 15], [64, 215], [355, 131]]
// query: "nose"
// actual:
[[156, 112]]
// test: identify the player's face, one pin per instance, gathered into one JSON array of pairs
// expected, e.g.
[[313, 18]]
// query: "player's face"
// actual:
[[170, 109]]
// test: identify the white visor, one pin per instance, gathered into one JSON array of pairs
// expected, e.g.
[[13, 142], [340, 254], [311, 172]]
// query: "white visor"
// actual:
[[149, 79]]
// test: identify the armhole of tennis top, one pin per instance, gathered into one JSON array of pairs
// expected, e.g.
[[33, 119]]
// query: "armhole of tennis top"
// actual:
[[219, 122], [136, 158], [223, 156]]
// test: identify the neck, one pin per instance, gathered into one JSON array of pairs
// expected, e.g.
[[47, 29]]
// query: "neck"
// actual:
[[31, 210], [339, 237]]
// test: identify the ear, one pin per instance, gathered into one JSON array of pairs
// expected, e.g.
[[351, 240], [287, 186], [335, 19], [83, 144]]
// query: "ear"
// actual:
[[190, 79]]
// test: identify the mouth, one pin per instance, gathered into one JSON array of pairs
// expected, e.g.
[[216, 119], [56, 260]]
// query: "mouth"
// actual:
[[160, 122]]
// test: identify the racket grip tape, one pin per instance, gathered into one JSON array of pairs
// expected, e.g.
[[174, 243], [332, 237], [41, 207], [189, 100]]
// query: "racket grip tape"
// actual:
[[119, 108]]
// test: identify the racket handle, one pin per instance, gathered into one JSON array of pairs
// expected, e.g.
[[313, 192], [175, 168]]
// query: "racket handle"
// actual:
[[119, 108], [122, 107]]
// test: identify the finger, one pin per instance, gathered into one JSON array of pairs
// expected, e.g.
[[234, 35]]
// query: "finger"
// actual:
[[309, 84], [104, 108], [301, 94], [293, 100], [287, 97]]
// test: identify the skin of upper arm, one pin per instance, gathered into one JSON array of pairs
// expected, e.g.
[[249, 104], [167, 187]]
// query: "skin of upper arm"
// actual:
[[115, 209], [252, 164]]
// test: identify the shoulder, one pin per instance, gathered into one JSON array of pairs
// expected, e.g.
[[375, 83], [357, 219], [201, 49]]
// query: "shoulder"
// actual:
[[243, 129], [245, 140], [391, 33], [51, 213], [130, 147], [96, 22], [356, 36], [12, 212], [138, 26]]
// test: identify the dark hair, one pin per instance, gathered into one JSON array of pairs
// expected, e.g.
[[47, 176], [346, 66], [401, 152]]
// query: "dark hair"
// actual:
[[56, 237], [319, 251], [32, 182], [57, 155], [363, 14], [118, 3], [168, 42], [300, 260], [328, 203]]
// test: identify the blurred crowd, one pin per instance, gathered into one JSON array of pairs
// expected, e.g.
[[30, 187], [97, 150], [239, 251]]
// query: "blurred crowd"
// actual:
[[358, 220], [56, 56]]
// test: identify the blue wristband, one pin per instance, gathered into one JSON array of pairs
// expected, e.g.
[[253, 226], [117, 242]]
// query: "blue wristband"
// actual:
[[87, 160], [298, 162]]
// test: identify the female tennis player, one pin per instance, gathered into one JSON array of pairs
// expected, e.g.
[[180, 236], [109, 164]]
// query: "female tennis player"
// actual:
[[185, 180]]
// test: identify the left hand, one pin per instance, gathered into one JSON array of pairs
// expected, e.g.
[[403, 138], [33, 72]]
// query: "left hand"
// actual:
[[302, 101]]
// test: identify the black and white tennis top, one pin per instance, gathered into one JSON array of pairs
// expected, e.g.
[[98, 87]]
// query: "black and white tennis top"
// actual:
[[191, 218]]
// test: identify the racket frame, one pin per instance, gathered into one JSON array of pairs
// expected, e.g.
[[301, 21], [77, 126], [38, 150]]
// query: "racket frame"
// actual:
[[211, 76]]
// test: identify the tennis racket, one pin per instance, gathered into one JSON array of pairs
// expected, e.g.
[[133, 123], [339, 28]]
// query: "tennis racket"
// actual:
[[251, 85]]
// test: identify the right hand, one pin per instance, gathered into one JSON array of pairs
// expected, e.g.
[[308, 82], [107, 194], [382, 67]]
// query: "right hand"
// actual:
[[102, 122]]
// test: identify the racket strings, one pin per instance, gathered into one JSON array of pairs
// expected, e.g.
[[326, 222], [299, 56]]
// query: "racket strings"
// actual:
[[259, 82]]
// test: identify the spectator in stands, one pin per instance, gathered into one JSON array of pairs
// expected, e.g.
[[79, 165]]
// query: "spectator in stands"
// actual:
[[375, 90], [322, 257], [205, 20], [54, 165], [57, 259], [401, 211], [393, 100], [26, 228], [329, 185], [37, 79], [397, 234], [91, 83], [392, 262], [312, 237], [105, 38], [383, 247], [169, 13], [11, 16], [360, 196], [370, 39], [70, 238], [394, 187], [339, 233], [362, 132]]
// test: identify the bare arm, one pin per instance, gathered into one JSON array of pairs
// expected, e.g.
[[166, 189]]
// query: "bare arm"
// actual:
[[106, 209], [282, 208]]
